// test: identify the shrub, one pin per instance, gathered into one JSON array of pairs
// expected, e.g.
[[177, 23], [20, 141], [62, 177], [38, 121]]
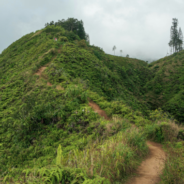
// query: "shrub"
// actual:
[[174, 166], [82, 43], [63, 39], [162, 131]]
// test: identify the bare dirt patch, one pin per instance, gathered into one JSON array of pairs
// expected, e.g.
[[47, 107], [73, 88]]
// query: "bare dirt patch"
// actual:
[[37, 33], [39, 72], [98, 110], [59, 87], [49, 84]]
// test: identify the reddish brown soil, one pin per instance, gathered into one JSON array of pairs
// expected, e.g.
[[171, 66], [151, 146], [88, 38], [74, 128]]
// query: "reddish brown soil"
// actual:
[[98, 110], [49, 84], [39, 72], [150, 169]]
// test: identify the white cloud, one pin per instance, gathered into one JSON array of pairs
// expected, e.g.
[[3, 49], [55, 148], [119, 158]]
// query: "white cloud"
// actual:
[[140, 28]]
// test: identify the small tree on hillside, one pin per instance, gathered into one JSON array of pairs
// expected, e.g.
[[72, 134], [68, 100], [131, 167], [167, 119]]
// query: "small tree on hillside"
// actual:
[[81, 31], [127, 56], [72, 25], [176, 42], [180, 41], [52, 23], [114, 48], [121, 52], [87, 39]]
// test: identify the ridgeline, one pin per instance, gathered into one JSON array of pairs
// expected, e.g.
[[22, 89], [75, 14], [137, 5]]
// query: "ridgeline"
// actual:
[[69, 113]]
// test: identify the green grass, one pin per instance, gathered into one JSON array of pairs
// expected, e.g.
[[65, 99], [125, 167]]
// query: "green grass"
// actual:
[[174, 166]]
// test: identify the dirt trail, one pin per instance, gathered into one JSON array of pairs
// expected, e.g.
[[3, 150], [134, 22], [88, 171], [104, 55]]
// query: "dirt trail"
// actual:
[[98, 110], [41, 70], [150, 169]]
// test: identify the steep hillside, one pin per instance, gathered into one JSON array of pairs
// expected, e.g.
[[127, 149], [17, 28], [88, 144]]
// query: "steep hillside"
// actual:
[[118, 78], [71, 113], [166, 88], [45, 87]]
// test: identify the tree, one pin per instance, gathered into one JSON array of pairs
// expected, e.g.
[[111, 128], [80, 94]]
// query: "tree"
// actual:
[[167, 53], [180, 40], [114, 48], [87, 38], [81, 33], [176, 38], [51, 23], [72, 25], [121, 52], [171, 50], [47, 24], [127, 56]]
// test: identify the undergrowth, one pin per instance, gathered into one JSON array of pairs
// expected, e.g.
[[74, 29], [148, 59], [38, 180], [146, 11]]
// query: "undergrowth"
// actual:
[[102, 161]]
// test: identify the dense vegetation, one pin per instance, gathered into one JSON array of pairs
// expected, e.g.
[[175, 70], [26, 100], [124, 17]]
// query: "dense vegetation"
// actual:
[[50, 134], [74, 26], [166, 89]]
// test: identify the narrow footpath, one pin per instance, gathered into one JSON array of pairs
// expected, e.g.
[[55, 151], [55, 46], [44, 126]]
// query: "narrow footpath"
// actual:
[[151, 168]]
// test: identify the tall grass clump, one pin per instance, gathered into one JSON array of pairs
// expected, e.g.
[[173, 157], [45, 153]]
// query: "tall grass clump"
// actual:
[[174, 147], [103, 161], [171, 136], [174, 165]]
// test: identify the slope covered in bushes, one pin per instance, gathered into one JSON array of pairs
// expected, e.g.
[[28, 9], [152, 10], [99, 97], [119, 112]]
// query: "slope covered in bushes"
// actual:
[[166, 89], [45, 90], [35, 117]]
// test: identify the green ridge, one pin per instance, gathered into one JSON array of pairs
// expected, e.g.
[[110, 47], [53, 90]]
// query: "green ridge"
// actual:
[[53, 135]]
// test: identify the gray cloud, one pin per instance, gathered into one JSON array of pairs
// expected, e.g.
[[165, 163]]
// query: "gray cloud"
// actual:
[[141, 28]]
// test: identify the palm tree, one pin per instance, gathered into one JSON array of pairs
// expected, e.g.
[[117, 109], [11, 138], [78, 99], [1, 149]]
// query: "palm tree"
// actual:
[[114, 48]]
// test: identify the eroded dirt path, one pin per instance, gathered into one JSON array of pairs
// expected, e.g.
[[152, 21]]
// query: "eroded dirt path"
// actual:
[[97, 109], [41, 70], [150, 169]]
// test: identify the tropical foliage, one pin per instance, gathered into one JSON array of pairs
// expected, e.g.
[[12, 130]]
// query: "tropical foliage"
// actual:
[[50, 134]]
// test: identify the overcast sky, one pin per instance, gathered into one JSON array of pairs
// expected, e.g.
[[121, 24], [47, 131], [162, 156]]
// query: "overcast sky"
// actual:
[[141, 28]]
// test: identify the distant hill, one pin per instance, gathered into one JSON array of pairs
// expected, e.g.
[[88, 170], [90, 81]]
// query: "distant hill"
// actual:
[[166, 88]]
